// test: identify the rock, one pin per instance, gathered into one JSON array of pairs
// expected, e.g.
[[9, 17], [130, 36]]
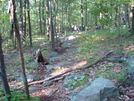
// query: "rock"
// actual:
[[130, 66], [58, 58], [70, 86], [79, 50], [99, 90], [47, 84], [116, 59], [32, 88], [60, 65], [49, 67], [74, 77], [69, 58], [73, 97], [54, 54], [68, 43], [29, 78], [71, 37], [47, 76], [74, 80]]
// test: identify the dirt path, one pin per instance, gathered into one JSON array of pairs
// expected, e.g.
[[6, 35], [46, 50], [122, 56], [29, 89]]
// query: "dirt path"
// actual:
[[55, 92]]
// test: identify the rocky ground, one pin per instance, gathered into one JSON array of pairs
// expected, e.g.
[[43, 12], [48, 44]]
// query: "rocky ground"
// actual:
[[55, 92]]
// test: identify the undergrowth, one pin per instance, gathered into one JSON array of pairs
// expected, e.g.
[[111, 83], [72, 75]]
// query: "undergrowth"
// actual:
[[103, 40]]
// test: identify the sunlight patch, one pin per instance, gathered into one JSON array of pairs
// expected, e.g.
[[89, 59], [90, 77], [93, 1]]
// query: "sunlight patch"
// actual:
[[130, 48]]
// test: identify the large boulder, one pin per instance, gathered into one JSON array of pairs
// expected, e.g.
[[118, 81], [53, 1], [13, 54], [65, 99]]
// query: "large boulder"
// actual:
[[99, 90]]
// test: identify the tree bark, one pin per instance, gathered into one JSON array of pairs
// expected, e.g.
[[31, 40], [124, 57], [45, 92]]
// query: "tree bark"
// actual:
[[3, 76], [132, 10], [43, 18], [24, 18], [29, 23], [13, 19], [51, 26], [126, 16], [40, 17], [82, 15]]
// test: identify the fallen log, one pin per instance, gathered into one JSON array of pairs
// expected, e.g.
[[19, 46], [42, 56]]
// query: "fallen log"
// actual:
[[69, 70]]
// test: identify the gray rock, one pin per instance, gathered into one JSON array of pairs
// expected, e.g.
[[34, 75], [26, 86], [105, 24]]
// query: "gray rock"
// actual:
[[49, 67], [73, 97], [60, 65], [99, 90], [79, 50], [29, 77], [58, 58], [70, 86], [69, 58], [33, 88], [54, 54], [116, 59], [74, 77], [74, 80], [47, 84], [47, 76]]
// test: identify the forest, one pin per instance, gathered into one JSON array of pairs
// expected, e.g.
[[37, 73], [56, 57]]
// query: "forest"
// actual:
[[51, 50]]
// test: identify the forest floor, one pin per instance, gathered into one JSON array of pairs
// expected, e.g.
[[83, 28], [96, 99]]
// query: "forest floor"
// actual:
[[55, 92]]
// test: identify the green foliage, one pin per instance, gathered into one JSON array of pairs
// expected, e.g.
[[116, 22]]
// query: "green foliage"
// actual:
[[27, 58], [78, 83], [18, 96], [1, 92], [29, 70], [111, 64], [130, 53], [121, 77], [90, 44]]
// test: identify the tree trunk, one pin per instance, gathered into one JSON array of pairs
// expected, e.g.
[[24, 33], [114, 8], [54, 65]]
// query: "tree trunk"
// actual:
[[43, 18], [81, 15], [116, 16], [132, 10], [51, 26], [29, 23], [86, 14], [36, 11], [21, 17], [40, 17], [24, 19], [3, 76], [47, 19], [126, 16], [13, 19]]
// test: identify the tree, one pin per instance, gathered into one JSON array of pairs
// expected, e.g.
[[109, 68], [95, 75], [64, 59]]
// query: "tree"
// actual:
[[13, 20], [29, 23], [51, 26], [132, 10], [3, 73], [126, 16], [24, 17], [40, 17]]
